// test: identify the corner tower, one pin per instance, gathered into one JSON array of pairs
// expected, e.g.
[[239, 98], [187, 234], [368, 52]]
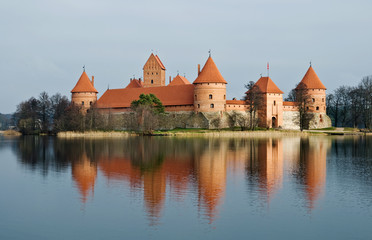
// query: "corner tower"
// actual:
[[153, 72], [210, 89], [315, 90], [271, 109], [84, 93]]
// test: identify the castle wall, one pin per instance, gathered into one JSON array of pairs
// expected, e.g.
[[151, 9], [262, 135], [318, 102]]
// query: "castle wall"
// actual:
[[84, 99], [202, 100], [318, 99]]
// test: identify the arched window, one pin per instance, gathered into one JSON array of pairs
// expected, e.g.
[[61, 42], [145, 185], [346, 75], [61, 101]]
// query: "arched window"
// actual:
[[196, 97], [212, 105], [210, 96], [313, 99], [82, 103], [224, 97], [90, 103], [322, 99], [317, 108], [198, 105], [274, 102], [152, 81]]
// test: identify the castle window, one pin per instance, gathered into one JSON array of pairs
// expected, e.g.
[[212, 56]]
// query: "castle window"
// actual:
[[198, 105], [274, 102], [210, 96], [322, 99], [90, 103], [156, 73], [152, 73], [224, 97], [307, 108], [212, 105], [196, 97], [317, 108], [208, 83], [313, 99], [82, 103], [152, 81], [148, 73]]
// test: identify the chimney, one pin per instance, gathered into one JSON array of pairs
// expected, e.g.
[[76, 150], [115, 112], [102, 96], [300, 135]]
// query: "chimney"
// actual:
[[93, 81], [198, 69], [170, 79]]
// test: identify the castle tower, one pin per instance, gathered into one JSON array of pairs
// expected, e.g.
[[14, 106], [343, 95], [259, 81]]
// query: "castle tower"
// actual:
[[316, 91], [271, 110], [84, 93], [153, 72], [210, 89]]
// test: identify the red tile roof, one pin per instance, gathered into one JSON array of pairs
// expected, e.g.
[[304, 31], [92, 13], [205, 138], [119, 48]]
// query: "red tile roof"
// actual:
[[266, 85], [84, 85], [289, 103], [210, 73], [179, 80], [160, 63], [134, 83], [169, 95], [311, 80], [235, 102]]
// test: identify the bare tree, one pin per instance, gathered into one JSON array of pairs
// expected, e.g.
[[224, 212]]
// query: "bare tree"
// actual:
[[254, 98], [302, 102]]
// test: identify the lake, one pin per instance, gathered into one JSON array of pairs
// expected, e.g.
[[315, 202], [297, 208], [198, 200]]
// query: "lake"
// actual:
[[316, 187]]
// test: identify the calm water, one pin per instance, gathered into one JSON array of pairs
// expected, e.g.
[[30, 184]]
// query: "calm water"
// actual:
[[172, 188]]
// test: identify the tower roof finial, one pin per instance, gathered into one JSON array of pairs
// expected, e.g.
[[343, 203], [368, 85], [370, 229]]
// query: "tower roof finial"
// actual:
[[84, 68], [210, 53], [310, 63]]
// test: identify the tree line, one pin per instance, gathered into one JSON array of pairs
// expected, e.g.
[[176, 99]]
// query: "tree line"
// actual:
[[351, 106], [52, 114]]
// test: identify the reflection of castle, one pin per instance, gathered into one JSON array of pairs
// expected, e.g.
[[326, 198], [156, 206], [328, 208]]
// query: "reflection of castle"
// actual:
[[202, 169], [207, 93]]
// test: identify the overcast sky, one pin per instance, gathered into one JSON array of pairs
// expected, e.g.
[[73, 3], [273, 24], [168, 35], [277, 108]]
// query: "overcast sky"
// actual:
[[45, 43]]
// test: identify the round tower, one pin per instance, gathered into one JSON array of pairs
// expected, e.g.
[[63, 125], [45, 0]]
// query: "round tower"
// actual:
[[210, 89], [84, 93], [315, 90]]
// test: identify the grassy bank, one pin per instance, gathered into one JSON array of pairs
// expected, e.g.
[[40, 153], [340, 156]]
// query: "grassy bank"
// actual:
[[95, 134]]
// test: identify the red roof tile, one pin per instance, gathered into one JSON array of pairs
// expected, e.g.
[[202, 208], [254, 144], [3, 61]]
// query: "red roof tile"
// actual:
[[84, 85], [311, 80], [266, 85], [210, 73], [169, 95], [289, 103], [235, 102], [179, 80], [160, 63], [134, 83]]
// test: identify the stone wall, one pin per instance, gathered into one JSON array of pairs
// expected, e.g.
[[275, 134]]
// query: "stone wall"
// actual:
[[170, 120], [318, 120]]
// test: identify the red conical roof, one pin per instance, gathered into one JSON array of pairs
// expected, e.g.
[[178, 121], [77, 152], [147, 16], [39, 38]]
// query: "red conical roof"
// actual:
[[84, 85], [210, 73], [179, 80], [266, 85], [311, 80]]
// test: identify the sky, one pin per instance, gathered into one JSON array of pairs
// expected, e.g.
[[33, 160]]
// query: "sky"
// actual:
[[44, 44]]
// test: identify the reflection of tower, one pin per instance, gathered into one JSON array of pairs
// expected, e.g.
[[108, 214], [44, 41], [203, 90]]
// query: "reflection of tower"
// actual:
[[84, 174], [154, 183], [313, 167], [212, 178], [265, 167]]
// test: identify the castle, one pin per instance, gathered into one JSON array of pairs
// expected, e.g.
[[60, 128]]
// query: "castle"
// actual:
[[205, 96]]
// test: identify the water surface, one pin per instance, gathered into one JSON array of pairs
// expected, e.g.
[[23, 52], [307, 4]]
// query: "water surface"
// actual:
[[186, 188]]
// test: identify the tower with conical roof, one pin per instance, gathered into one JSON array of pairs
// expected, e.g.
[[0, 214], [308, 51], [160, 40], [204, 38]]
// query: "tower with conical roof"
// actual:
[[315, 90], [271, 108], [84, 93], [153, 72], [209, 89]]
